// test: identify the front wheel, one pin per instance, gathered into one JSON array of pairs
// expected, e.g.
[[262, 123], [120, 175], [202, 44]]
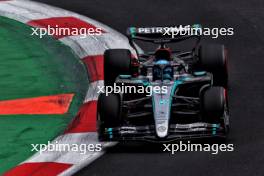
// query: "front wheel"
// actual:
[[213, 104], [108, 112]]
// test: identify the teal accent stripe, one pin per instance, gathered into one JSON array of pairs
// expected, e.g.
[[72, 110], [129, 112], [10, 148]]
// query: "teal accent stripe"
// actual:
[[110, 131], [215, 126], [175, 85], [200, 73], [132, 31]]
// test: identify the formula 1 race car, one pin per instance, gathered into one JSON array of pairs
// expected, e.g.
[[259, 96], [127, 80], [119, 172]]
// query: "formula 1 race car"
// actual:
[[194, 105]]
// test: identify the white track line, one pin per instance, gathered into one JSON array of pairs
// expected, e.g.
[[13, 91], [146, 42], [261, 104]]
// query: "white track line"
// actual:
[[92, 93]]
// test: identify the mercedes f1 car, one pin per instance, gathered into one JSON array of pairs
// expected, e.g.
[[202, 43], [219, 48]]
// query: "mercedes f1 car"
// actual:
[[194, 106]]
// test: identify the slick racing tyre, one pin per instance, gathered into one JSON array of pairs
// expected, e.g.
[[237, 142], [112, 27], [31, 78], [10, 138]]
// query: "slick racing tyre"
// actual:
[[116, 62], [108, 112], [213, 104], [213, 58]]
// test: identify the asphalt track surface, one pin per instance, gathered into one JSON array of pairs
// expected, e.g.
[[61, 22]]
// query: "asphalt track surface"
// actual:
[[246, 93]]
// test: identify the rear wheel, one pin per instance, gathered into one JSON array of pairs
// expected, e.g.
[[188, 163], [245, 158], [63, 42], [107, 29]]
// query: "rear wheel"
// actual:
[[116, 62], [213, 58], [213, 104]]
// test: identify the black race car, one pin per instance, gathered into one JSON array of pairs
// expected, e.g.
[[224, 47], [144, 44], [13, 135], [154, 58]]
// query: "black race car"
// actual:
[[194, 105]]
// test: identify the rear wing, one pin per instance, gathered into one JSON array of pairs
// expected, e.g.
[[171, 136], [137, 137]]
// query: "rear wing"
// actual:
[[161, 35], [164, 34]]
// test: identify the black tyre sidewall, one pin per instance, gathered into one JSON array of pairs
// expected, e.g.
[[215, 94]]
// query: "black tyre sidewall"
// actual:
[[213, 103], [116, 62], [213, 58], [108, 111]]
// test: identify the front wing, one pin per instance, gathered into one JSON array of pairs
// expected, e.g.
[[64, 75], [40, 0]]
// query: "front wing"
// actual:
[[176, 132]]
